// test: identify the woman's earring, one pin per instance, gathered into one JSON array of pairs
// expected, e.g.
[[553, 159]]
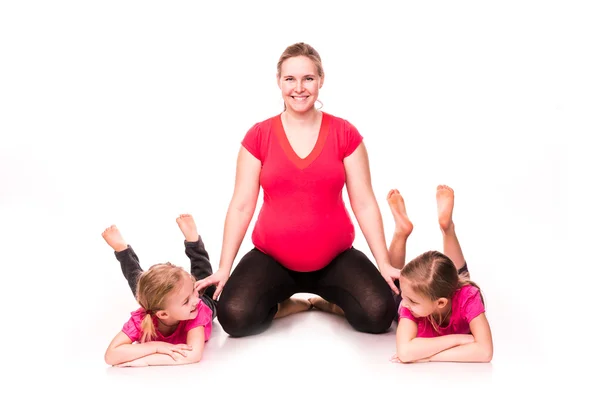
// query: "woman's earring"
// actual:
[[321, 103]]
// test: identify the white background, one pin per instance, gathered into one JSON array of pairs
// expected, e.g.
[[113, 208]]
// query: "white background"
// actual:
[[132, 112]]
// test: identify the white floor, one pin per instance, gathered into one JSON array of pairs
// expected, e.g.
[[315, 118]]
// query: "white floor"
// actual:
[[80, 300], [129, 113]]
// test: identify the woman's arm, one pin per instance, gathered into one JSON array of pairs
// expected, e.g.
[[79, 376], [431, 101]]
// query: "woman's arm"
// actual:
[[239, 214], [241, 208], [365, 208]]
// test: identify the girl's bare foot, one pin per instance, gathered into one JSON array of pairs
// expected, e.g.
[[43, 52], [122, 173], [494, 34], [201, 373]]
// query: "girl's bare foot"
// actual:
[[188, 227], [323, 305], [114, 239], [396, 202], [291, 306], [445, 205]]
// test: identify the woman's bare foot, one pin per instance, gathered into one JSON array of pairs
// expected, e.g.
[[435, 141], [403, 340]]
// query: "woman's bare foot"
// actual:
[[291, 306], [323, 305], [396, 202], [445, 205], [188, 227], [114, 239]]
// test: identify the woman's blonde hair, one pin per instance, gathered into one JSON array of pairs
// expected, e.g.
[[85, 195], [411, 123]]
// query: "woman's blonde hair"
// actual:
[[301, 49]]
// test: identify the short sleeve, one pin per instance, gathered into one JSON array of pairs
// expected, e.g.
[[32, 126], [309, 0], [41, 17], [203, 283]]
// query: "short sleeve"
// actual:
[[352, 139], [405, 313], [132, 328], [253, 142], [203, 318], [472, 304]]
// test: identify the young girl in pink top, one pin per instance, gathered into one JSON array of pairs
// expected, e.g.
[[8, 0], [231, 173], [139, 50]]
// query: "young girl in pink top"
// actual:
[[174, 320], [442, 313]]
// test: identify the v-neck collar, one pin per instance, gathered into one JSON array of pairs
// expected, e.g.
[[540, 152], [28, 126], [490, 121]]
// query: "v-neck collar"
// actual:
[[302, 163]]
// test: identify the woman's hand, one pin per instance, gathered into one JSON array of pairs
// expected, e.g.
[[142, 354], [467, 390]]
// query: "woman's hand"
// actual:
[[219, 279], [390, 274]]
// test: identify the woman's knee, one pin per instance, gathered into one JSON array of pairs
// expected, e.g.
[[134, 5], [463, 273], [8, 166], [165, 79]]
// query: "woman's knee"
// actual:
[[375, 316], [235, 317]]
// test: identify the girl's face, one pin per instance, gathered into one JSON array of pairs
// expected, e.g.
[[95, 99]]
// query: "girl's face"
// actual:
[[419, 305], [182, 303], [299, 83]]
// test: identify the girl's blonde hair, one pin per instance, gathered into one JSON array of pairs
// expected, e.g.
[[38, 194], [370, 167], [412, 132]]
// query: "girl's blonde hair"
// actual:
[[154, 285], [434, 275]]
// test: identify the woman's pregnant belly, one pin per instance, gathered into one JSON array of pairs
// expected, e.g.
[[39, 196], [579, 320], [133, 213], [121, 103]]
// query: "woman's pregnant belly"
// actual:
[[301, 241]]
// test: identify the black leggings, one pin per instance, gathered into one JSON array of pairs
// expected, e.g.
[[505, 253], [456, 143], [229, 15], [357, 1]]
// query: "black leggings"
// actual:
[[200, 269], [258, 283]]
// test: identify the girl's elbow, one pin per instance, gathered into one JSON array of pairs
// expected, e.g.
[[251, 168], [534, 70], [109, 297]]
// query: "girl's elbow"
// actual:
[[488, 355], [404, 356], [109, 358], [195, 357]]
